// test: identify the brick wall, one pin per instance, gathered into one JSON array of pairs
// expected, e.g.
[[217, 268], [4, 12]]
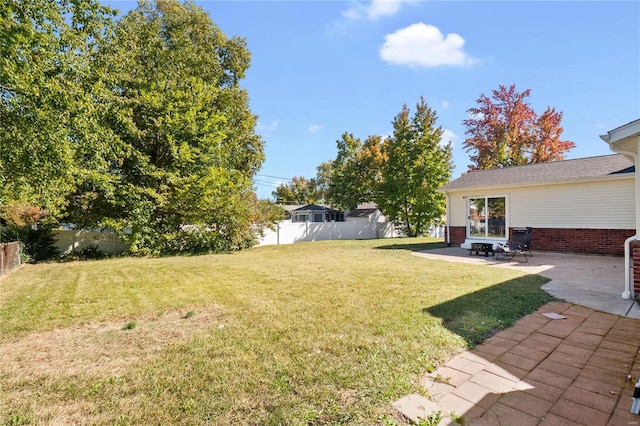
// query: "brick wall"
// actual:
[[458, 235], [9, 257], [597, 241]]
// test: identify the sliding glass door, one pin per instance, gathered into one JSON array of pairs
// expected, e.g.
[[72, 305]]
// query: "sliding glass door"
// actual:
[[487, 217]]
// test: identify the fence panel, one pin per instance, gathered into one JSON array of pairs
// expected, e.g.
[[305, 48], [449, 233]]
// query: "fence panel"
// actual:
[[68, 241], [289, 233]]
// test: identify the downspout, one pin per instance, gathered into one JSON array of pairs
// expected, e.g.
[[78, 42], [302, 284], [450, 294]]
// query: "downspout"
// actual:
[[627, 293], [448, 218], [628, 287]]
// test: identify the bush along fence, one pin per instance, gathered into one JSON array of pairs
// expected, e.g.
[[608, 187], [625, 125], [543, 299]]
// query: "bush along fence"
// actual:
[[9, 257]]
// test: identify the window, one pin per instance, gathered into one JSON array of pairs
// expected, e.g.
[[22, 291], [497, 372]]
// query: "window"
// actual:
[[300, 218], [487, 217]]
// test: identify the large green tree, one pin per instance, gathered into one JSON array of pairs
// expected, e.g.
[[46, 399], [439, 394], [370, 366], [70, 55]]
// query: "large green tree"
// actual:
[[183, 148], [139, 124], [417, 165], [47, 119], [355, 173], [504, 130], [46, 107]]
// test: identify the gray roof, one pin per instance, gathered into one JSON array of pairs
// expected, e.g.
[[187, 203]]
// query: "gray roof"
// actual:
[[581, 169], [315, 208], [291, 207]]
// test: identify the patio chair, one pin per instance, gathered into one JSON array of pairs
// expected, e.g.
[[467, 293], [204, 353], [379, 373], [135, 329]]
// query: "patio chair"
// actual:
[[518, 244]]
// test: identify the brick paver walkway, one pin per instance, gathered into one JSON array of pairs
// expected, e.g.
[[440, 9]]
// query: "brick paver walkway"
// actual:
[[575, 371]]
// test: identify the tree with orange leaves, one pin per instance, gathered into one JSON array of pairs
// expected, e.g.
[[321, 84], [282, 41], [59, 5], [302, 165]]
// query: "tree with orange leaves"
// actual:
[[505, 131]]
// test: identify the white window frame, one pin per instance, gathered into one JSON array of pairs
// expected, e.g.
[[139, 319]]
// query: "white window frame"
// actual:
[[486, 199]]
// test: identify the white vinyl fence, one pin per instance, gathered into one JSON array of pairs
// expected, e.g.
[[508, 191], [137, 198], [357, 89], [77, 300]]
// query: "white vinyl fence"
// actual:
[[68, 241], [289, 233], [436, 231], [108, 242]]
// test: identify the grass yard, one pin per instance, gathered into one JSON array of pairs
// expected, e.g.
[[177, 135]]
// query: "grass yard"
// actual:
[[311, 333]]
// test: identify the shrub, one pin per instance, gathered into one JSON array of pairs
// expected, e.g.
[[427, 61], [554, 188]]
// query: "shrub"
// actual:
[[38, 242], [91, 252]]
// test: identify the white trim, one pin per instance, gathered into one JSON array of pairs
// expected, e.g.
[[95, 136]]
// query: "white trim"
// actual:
[[448, 218], [467, 236], [619, 176], [623, 132]]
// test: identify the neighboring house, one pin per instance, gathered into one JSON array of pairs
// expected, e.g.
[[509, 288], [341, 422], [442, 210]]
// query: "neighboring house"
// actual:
[[288, 208], [584, 205], [316, 213], [317, 223], [365, 212]]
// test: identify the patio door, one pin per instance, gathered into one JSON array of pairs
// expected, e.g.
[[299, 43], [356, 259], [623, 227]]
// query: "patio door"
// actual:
[[487, 217]]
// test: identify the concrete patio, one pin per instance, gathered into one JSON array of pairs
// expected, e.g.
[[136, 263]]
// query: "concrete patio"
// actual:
[[588, 280], [576, 370]]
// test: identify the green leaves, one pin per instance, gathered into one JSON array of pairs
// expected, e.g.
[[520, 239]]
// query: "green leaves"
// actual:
[[417, 165], [185, 126], [356, 171], [401, 174], [298, 191], [137, 124], [44, 104]]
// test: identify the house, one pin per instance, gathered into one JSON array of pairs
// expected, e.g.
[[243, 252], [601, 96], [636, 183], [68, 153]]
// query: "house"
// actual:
[[365, 213], [316, 213], [314, 222], [584, 205]]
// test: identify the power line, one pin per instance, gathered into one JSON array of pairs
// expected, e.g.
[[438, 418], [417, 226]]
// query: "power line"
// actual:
[[273, 177], [265, 183]]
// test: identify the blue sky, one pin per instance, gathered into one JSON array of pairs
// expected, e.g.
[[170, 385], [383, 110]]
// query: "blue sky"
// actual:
[[320, 68]]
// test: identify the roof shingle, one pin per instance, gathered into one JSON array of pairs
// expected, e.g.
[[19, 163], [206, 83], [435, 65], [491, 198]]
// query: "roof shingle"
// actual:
[[580, 169]]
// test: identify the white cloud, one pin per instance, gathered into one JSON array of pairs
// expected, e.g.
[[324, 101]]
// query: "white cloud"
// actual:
[[374, 10], [357, 11], [445, 104], [314, 128], [422, 45], [267, 127], [448, 136], [380, 8]]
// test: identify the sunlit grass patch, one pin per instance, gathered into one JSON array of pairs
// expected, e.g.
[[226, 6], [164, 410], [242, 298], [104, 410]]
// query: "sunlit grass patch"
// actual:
[[321, 333]]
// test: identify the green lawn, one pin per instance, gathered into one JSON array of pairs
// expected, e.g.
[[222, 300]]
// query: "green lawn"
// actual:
[[311, 333]]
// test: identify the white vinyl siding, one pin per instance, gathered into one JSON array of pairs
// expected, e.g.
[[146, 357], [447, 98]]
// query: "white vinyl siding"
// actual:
[[603, 204], [595, 205], [457, 209]]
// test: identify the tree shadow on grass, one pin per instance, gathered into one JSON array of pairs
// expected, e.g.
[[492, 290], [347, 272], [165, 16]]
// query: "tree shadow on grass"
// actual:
[[479, 315], [414, 246]]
